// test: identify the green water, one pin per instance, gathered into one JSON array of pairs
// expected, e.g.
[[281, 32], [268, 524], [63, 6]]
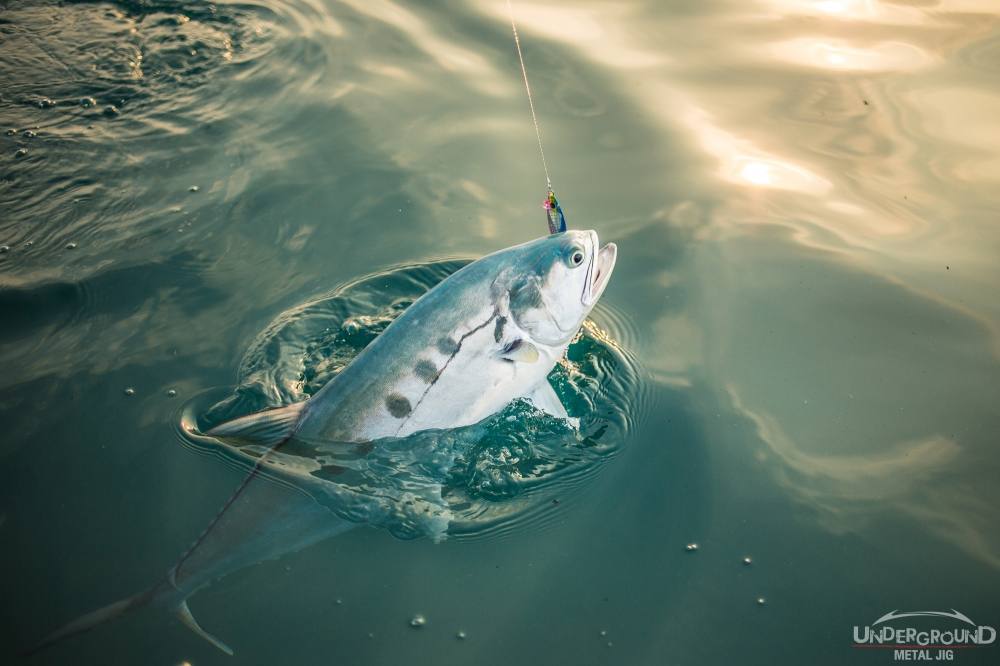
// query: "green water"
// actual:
[[804, 196]]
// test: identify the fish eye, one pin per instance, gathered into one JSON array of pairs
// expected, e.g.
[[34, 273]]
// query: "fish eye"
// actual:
[[575, 257]]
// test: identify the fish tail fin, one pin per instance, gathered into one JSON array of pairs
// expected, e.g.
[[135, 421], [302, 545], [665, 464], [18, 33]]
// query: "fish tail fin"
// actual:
[[184, 613], [118, 609], [271, 428], [95, 618]]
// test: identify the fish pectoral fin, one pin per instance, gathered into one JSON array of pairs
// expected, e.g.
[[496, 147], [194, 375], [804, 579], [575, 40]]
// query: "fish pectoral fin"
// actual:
[[269, 427], [184, 613], [519, 350]]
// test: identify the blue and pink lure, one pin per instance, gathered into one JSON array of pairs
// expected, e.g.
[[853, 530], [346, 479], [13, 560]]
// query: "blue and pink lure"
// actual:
[[554, 214]]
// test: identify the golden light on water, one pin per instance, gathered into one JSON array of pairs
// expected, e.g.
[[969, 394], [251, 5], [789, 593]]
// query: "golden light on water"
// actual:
[[851, 10], [773, 172], [756, 173], [832, 6], [838, 54]]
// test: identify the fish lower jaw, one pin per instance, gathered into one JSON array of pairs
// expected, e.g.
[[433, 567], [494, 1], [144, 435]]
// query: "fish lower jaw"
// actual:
[[604, 265]]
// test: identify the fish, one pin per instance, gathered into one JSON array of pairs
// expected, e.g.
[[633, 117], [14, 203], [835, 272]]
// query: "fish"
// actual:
[[485, 336]]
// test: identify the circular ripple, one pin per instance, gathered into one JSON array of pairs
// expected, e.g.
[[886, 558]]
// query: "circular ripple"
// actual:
[[514, 468]]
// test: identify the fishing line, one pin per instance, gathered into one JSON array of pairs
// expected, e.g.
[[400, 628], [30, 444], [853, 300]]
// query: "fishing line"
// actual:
[[553, 211], [527, 88]]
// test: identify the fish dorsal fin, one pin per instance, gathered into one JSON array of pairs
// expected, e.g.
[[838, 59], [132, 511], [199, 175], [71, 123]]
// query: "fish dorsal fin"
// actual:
[[184, 613], [269, 427], [520, 350]]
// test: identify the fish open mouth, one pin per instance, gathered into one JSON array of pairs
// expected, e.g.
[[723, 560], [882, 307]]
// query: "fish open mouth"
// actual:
[[601, 268]]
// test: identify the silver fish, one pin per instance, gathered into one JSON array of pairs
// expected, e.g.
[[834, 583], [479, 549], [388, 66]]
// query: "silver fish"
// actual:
[[488, 334]]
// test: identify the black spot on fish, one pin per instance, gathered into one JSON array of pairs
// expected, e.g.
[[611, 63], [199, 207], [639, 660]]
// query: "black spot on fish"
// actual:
[[426, 371], [498, 328], [447, 346], [398, 405]]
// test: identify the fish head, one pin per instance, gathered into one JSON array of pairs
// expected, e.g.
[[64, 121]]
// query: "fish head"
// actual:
[[557, 281]]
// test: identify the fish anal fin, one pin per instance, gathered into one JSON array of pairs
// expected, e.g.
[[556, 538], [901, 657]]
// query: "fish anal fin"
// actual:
[[269, 427], [184, 613], [545, 398]]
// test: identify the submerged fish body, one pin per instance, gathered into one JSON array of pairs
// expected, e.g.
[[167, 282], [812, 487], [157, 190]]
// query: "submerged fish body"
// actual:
[[486, 335]]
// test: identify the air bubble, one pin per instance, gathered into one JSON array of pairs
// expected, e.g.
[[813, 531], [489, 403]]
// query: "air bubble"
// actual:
[[87, 102], [691, 547], [111, 110], [747, 561], [21, 152], [70, 246], [171, 393], [418, 621], [761, 601], [460, 635], [130, 391]]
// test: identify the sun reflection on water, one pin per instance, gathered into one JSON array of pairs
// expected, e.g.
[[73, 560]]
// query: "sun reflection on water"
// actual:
[[841, 55]]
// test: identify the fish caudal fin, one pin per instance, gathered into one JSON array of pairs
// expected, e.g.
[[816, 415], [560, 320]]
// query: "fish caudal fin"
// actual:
[[269, 427], [118, 609], [95, 618], [184, 613]]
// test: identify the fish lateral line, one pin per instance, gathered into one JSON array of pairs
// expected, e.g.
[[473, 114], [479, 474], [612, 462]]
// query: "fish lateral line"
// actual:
[[451, 357]]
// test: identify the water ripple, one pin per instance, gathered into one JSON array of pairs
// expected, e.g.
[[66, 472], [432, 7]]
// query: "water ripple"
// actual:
[[510, 470]]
